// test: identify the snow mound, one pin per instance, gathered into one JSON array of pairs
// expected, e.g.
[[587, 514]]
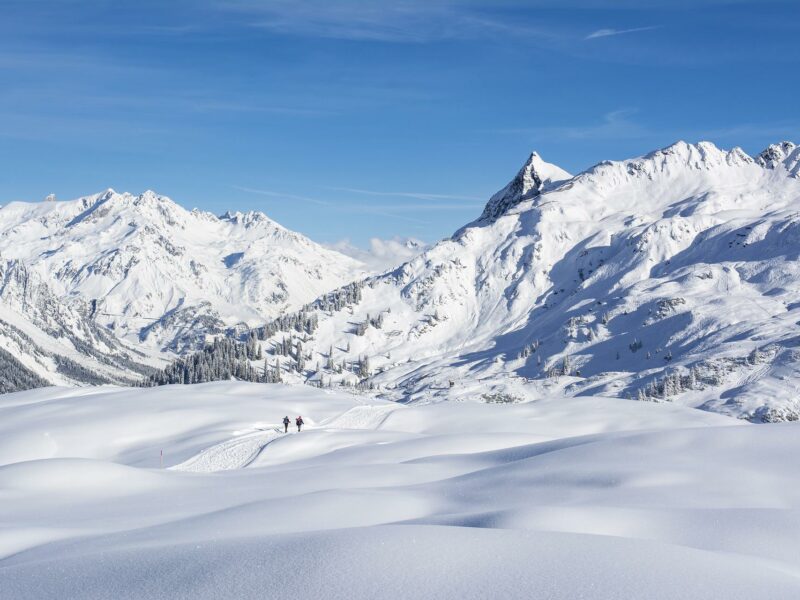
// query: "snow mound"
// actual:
[[570, 497]]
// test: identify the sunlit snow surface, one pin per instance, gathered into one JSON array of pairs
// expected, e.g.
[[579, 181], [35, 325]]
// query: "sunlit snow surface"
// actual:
[[566, 497]]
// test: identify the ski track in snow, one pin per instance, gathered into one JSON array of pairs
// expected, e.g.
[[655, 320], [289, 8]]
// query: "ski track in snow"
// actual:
[[240, 451], [754, 375], [362, 417], [235, 453]]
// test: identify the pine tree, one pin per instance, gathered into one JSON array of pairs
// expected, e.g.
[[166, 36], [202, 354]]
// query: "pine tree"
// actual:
[[330, 359], [363, 367], [566, 365]]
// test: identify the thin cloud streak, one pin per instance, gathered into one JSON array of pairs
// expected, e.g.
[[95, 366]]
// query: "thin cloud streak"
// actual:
[[427, 207], [394, 211], [601, 33], [416, 195], [281, 195], [405, 21]]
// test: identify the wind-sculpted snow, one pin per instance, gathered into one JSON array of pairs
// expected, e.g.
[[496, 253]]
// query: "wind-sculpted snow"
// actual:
[[559, 498], [166, 277], [672, 276]]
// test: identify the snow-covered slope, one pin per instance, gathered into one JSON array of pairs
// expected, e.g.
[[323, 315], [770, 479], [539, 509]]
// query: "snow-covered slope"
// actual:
[[595, 498], [669, 276], [158, 274], [48, 339]]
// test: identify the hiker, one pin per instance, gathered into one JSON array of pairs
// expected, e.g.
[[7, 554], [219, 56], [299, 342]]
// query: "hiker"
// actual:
[[299, 422], [286, 424]]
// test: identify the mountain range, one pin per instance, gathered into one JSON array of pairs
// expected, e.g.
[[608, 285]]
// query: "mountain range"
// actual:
[[164, 277], [667, 277]]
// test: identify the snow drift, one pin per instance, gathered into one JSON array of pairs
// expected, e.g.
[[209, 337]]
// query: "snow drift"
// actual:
[[564, 497]]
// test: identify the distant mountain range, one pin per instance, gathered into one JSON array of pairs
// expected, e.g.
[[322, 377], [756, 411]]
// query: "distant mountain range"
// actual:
[[159, 275], [668, 277]]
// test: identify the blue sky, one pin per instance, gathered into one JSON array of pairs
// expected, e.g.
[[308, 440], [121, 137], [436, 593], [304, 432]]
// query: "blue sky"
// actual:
[[353, 119]]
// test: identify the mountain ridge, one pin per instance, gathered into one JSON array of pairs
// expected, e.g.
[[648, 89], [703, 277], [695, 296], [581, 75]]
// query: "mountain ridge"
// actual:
[[144, 258], [637, 277], [666, 277]]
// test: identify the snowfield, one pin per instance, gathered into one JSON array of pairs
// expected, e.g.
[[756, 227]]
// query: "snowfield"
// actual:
[[563, 497]]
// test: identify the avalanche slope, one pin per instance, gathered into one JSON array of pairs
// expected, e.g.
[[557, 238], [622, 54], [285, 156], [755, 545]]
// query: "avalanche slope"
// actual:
[[671, 276]]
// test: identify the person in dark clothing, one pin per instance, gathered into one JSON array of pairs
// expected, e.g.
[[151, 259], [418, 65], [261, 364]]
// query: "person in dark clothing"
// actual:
[[286, 424], [299, 422]]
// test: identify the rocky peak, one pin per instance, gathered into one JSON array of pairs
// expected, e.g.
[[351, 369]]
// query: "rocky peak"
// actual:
[[533, 178], [785, 154]]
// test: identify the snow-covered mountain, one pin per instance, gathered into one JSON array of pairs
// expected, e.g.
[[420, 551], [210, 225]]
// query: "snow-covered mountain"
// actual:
[[46, 339], [785, 155], [669, 276], [157, 274]]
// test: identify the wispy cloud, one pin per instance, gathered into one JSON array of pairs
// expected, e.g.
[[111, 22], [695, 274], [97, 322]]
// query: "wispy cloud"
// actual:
[[382, 254], [416, 195], [425, 207], [281, 195], [601, 33], [401, 21], [379, 211], [405, 212]]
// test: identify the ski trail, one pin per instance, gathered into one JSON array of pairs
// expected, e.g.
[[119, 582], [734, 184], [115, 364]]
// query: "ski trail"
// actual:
[[362, 417], [231, 454], [755, 374], [240, 451]]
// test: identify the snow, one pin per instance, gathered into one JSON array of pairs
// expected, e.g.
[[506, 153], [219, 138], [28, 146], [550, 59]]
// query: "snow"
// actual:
[[164, 276], [564, 497], [679, 262], [41, 330], [671, 276], [517, 464]]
